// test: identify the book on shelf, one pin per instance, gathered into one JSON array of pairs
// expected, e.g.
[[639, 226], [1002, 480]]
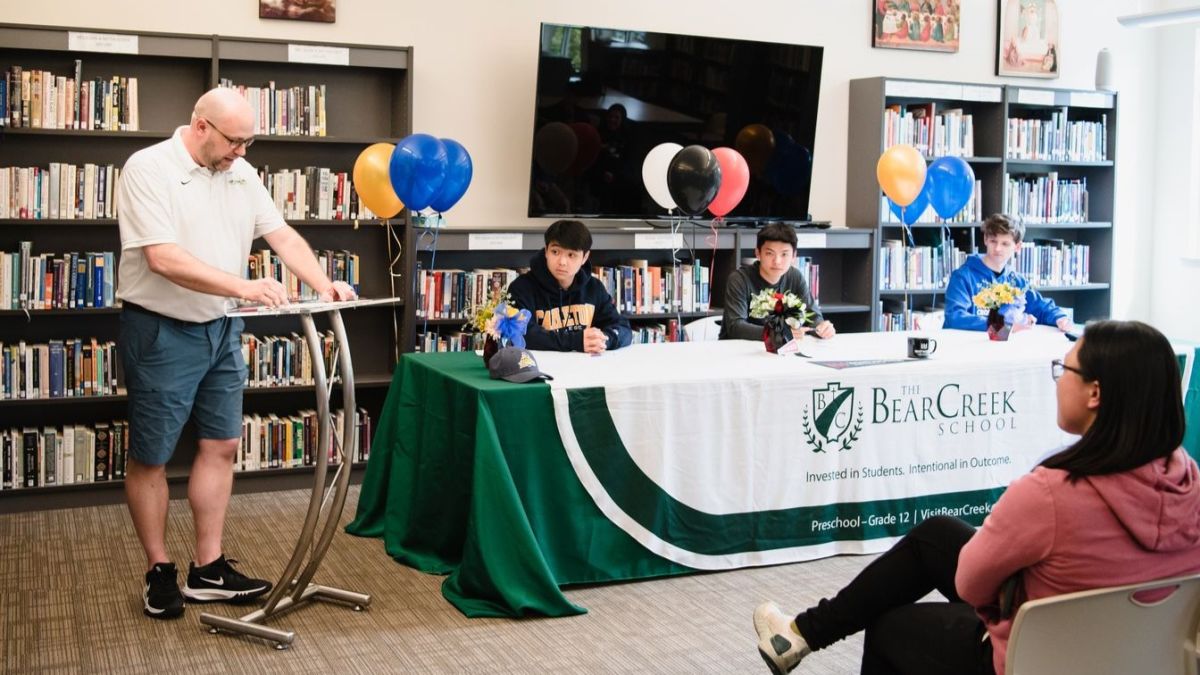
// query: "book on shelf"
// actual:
[[39, 99], [273, 441], [63, 455], [971, 213], [338, 266], [287, 111], [1058, 139], [1043, 198], [454, 293], [46, 281], [284, 360], [313, 193], [73, 367], [917, 267]]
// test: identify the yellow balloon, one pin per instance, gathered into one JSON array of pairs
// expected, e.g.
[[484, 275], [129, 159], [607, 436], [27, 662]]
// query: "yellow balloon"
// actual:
[[372, 181], [756, 142], [901, 173]]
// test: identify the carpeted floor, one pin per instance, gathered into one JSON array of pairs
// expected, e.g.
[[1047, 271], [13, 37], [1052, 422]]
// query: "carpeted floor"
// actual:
[[70, 601]]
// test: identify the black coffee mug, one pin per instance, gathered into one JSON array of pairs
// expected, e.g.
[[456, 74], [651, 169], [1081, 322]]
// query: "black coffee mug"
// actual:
[[921, 347]]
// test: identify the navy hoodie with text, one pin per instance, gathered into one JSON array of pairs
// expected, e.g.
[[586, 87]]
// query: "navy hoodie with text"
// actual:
[[560, 315]]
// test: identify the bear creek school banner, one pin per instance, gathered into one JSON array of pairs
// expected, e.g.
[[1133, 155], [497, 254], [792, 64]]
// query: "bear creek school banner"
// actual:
[[718, 455]]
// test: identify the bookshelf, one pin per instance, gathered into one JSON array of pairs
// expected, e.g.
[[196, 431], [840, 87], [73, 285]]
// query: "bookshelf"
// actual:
[[999, 159], [368, 98], [844, 256]]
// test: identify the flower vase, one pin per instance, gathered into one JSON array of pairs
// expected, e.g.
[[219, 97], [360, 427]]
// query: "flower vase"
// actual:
[[997, 328], [490, 346], [776, 333]]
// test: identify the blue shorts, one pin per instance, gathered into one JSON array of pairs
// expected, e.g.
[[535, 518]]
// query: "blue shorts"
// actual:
[[176, 370]]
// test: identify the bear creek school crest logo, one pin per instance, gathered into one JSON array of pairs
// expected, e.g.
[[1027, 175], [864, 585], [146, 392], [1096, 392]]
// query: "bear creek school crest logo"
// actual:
[[833, 421]]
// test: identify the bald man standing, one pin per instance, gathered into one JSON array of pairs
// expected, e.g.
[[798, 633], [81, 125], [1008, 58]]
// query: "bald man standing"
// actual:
[[190, 207]]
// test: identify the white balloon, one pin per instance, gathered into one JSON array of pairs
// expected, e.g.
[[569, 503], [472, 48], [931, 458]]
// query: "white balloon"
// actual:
[[654, 173]]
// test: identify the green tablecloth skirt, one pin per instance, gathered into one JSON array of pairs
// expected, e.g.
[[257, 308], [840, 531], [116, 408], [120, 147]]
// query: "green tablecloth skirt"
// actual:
[[468, 477]]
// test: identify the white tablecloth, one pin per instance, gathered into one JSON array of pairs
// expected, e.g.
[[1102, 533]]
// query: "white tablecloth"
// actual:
[[719, 455]]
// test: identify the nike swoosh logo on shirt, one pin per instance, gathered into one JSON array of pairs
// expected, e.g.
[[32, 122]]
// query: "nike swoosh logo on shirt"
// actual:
[[214, 582], [185, 182]]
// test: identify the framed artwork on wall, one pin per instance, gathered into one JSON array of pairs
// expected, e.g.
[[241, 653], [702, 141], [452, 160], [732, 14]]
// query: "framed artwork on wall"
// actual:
[[298, 10], [1027, 38], [928, 25]]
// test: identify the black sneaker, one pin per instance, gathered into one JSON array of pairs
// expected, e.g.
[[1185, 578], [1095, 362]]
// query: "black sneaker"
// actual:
[[161, 598], [218, 581]]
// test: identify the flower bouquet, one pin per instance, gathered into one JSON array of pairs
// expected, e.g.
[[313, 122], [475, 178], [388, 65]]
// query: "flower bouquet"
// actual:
[[500, 323], [781, 313], [1006, 309]]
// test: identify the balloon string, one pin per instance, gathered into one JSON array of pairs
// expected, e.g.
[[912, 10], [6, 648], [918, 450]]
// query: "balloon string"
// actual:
[[713, 240], [431, 232]]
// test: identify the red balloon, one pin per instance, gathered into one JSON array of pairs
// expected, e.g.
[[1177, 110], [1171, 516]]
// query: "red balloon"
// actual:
[[589, 147], [735, 178]]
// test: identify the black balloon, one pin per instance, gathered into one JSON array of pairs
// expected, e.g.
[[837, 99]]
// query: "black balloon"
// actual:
[[693, 178]]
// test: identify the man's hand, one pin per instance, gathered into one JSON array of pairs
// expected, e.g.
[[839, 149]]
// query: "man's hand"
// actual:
[[338, 290], [267, 292], [1030, 320], [1063, 323], [594, 341], [800, 332], [826, 330]]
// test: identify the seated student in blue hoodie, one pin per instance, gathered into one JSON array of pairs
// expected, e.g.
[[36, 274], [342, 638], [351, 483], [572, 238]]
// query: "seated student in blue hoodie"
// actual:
[[1002, 235], [571, 309]]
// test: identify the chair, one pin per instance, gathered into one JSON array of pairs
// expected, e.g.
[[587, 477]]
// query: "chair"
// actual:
[[708, 328], [1110, 630]]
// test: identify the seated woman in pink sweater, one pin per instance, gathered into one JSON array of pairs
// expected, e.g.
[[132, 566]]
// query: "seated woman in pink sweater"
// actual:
[[1120, 506]]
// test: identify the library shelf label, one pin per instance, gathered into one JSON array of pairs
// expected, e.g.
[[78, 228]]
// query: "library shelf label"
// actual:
[[657, 240], [1035, 96], [977, 93], [810, 240], [112, 43], [494, 241], [1091, 99], [319, 54]]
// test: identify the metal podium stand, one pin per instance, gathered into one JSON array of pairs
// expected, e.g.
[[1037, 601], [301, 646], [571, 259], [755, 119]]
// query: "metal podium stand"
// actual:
[[295, 584]]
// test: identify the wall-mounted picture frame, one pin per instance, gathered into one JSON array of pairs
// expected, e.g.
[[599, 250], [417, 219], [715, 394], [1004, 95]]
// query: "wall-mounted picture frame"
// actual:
[[926, 25], [324, 11], [1027, 38]]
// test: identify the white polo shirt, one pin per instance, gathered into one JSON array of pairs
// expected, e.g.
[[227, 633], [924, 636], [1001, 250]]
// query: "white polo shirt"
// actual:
[[164, 197]]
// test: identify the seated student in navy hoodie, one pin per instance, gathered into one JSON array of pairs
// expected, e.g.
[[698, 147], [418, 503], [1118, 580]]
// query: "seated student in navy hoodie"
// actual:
[[571, 309], [1002, 235]]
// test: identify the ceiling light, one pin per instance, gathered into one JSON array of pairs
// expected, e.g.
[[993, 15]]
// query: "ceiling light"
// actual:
[[1161, 18]]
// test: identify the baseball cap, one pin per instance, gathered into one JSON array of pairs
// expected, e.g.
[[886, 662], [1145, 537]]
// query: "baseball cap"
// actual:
[[515, 365]]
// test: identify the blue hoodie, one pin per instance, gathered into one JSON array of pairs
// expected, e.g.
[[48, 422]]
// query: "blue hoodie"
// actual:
[[559, 316], [973, 277]]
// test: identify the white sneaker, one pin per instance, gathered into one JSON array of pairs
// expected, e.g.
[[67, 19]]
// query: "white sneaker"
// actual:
[[780, 646]]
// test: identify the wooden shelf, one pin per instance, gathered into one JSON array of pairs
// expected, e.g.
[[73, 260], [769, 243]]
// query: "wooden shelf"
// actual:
[[61, 312], [370, 98], [991, 107], [1055, 163]]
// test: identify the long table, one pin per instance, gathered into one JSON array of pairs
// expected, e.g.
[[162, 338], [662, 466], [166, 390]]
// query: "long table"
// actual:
[[663, 459]]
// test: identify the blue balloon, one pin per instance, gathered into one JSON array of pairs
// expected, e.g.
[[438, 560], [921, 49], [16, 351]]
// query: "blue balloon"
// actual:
[[417, 170], [950, 183], [913, 212], [458, 176]]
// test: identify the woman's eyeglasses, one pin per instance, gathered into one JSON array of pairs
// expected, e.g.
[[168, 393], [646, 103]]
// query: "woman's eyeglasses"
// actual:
[[1057, 367]]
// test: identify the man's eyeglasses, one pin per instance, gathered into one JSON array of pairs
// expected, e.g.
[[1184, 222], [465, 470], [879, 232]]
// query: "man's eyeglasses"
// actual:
[[1057, 367], [234, 142]]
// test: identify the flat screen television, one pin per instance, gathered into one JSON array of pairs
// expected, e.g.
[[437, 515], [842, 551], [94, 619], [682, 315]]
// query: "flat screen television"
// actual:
[[605, 97]]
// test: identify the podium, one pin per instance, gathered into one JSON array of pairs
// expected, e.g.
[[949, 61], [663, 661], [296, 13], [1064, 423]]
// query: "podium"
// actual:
[[326, 502]]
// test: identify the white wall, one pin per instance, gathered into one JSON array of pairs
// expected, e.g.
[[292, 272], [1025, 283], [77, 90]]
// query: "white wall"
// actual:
[[1174, 277], [474, 67]]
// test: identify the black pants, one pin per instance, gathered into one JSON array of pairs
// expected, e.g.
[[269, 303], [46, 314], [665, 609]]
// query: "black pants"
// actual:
[[904, 636]]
